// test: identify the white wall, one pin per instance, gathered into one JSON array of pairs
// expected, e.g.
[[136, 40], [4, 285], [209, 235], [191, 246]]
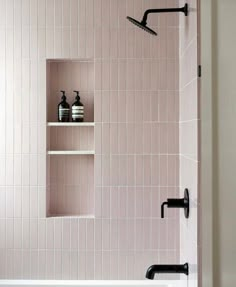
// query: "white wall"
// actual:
[[224, 119], [224, 143], [188, 134]]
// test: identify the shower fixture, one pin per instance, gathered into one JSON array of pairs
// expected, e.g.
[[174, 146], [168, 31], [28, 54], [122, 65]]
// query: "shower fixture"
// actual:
[[176, 268], [143, 23], [177, 203]]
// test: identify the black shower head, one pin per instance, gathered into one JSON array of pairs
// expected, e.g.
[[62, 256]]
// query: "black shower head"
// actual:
[[142, 25]]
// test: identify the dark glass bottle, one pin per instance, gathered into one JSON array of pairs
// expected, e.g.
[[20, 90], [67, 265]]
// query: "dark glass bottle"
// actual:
[[77, 109], [63, 109]]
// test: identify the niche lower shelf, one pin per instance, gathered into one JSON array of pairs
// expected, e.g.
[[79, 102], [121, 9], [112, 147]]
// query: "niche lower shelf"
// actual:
[[86, 216], [70, 152], [70, 124]]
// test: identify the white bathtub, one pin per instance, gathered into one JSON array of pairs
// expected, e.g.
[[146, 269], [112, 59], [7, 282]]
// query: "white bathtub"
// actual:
[[88, 283]]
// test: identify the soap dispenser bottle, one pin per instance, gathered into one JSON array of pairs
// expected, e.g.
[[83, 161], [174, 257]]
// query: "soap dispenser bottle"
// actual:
[[63, 109], [77, 109]]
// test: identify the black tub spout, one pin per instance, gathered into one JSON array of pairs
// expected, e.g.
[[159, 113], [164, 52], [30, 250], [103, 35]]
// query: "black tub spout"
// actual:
[[178, 268]]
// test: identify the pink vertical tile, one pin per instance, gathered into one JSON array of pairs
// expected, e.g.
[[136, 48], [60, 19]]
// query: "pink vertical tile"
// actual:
[[122, 138], [98, 169], [33, 202], [106, 234], [163, 138], [98, 265], [122, 43], [163, 170], [105, 170], [3, 232], [34, 264], [106, 202], [114, 234], [66, 233], [105, 42], [97, 235], [155, 138], [26, 264], [10, 263], [139, 234], [82, 42], [139, 75], [106, 265], [98, 202], [3, 203], [105, 106], [139, 202], [139, 170], [147, 170], [106, 139], [51, 264], [33, 170], [42, 233], [82, 235], [122, 237], [114, 198], [139, 138], [131, 202], [130, 106], [42, 264], [74, 234], [114, 138], [33, 233], [146, 138], [105, 75], [65, 264], [147, 234], [9, 233], [130, 234], [58, 233], [98, 42], [139, 106], [130, 75], [156, 166], [122, 78], [17, 264], [9, 173], [26, 234], [90, 42], [123, 170], [90, 234], [122, 201], [9, 202]]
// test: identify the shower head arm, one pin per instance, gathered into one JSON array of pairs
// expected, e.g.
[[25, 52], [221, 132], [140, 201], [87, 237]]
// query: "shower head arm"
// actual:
[[183, 9]]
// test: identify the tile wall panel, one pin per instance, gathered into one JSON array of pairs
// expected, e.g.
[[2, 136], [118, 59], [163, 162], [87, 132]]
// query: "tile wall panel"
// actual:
[[136, 110], [188, 138]]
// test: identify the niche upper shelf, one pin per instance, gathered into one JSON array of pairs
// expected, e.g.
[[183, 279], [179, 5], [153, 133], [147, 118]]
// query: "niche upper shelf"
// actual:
[[70, 75], [70, 124]]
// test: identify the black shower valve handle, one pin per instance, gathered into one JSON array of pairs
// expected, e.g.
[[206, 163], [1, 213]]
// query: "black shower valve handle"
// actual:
[[177, 203]]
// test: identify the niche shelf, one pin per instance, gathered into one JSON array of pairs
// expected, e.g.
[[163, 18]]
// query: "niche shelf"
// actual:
[[70, 124], [70, 145], [71, 152]]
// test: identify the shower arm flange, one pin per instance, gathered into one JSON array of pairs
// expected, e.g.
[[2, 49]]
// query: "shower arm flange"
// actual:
[[183, 9]]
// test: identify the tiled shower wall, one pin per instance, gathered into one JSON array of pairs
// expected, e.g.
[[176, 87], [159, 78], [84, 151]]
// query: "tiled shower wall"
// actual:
[[189, 119], [136, 139]]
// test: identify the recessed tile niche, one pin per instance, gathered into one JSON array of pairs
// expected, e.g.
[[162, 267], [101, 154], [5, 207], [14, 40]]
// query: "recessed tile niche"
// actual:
[[70, 146]]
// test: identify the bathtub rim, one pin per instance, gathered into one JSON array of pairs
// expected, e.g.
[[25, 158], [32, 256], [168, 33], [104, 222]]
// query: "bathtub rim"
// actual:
[[65, 283]]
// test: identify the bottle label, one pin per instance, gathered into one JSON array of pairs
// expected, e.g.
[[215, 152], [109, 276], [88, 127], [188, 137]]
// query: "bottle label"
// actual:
[[78, 112], [64, 113]]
